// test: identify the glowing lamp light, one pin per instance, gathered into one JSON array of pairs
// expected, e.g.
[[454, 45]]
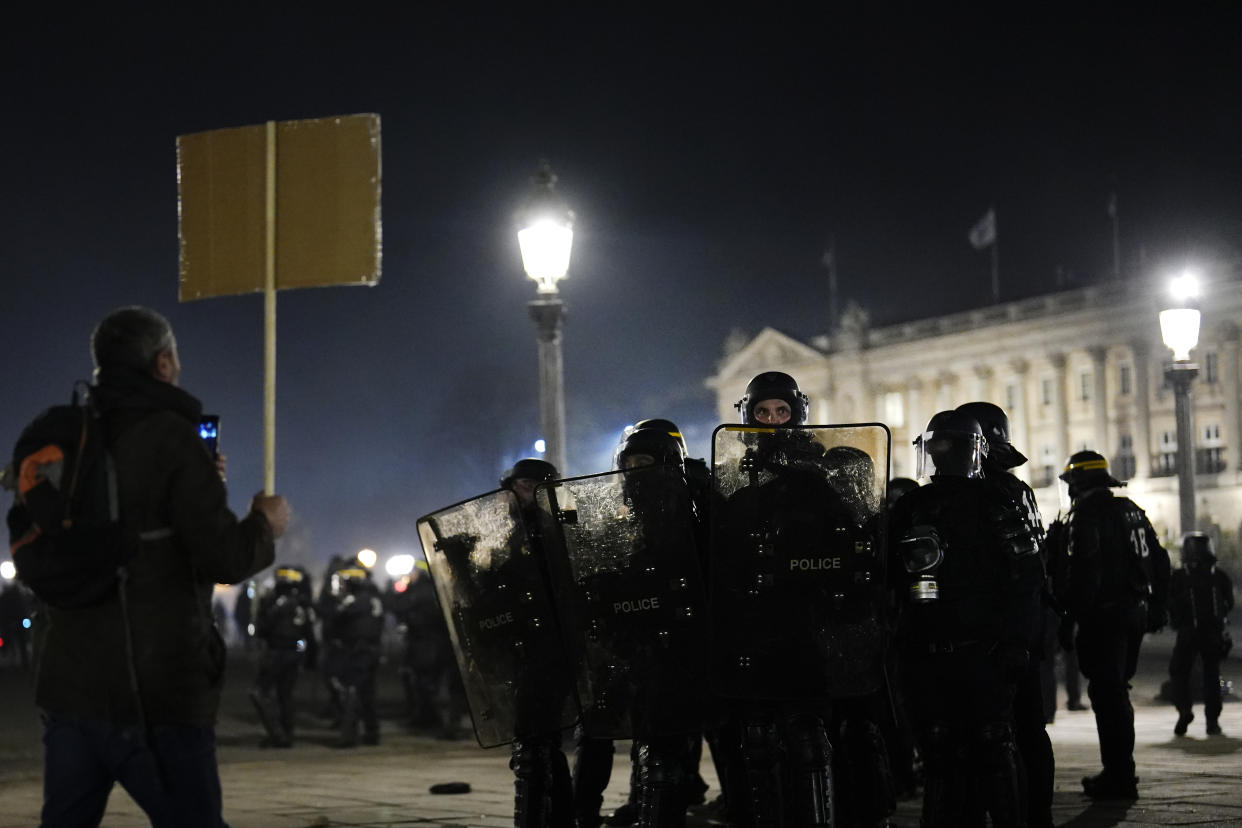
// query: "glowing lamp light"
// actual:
[[1179, 327], [399, 565], [1184, 288], [541, 446], [367, 557], [545, 244], [7, 570]]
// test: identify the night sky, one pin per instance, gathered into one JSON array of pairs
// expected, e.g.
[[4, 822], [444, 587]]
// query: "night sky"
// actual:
[[708, 159]]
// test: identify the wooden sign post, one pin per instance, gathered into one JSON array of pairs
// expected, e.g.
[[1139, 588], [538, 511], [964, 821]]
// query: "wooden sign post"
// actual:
[[280, 205]]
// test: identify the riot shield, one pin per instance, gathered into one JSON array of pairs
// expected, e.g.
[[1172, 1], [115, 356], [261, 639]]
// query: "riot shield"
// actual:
[[797, 561], [493, 589], [633, 586]]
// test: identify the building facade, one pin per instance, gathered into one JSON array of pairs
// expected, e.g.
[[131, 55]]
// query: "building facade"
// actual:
[[1073, 370]]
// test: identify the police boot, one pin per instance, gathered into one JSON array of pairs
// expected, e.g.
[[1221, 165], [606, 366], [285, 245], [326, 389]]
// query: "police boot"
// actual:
[[269, 717], [1184, 718], [349, 717], [762, 805], [661, 802], [1213, 727], [943, 796], [812, 800], [530, 785], [862, 759], [1002, 777]]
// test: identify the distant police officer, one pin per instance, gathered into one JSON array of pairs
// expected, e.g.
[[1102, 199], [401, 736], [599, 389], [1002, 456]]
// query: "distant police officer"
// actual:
[[354, 624], [968, 583], [1200, 598], [284, 622], [1111, 579], [1029, 704], [433, 694]]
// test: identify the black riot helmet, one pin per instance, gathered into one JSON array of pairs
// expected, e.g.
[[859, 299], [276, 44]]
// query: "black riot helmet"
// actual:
[[1197, 552], [649, 447], [667, 426], [528, 468], [1087, 470], [291, 579], [995, 424], [774, 385], [952, 445]]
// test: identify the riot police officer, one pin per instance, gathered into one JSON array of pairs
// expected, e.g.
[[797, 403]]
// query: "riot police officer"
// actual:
[[543, 790], [1111, 581], [284, 620], [1030, 721], [433, 695], [354, 624], [1200, 598], [795, 601], [968, 579], [698, 480]]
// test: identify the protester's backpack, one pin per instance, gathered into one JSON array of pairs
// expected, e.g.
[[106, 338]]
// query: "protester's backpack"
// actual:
[[65, 533]]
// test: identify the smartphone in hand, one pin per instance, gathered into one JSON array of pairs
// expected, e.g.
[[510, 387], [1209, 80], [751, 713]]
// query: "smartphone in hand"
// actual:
[[209, 430]]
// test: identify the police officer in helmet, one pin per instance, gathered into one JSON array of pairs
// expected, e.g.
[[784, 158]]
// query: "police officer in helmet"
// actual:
[[1200, 598], [543, 793], [1111, 581], [1029, 705], [966, 593], [284, 624], [786, 530]]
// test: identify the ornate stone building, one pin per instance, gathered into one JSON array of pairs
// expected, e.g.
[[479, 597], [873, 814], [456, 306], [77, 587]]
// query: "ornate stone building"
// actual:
[[1077, 369]]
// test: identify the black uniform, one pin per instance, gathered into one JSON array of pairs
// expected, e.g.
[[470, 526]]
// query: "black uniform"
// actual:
[[777, 543], [1111, 579], [1030, 704], [284, 627], [1200, 598], [434, 698], [963, 639], [354, 624]]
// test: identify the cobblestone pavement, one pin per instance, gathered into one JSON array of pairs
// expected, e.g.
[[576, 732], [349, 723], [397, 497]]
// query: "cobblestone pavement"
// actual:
[[1184, 781]]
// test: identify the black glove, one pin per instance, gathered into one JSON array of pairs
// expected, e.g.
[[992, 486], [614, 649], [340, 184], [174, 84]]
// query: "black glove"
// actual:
[[1065, 634]]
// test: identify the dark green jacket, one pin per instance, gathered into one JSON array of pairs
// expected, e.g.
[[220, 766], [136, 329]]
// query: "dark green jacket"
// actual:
[[171, 494]]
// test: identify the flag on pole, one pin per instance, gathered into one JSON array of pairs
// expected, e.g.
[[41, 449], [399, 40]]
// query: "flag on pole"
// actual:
[[983, 234]]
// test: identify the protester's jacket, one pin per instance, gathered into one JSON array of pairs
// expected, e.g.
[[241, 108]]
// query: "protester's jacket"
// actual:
[[1112, 559], [173, 499]]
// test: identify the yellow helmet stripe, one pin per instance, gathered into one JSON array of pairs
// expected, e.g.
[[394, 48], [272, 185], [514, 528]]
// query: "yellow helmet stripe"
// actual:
[[1088, 465]]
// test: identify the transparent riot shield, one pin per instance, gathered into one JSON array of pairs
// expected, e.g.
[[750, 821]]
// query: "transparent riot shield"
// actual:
[[632, 583], [797, 561], [490, 577]]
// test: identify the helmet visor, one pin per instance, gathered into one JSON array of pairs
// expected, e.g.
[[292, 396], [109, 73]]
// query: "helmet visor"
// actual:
[[950, 453]]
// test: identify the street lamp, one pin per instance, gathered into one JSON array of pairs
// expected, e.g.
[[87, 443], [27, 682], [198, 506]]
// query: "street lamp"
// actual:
[[1179, 327], [546, 236]]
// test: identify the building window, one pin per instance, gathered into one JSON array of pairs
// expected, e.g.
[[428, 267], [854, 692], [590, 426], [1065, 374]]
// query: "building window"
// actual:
[[1125, 380], [1166, 460], [1125, 464], [1045, 390], [894, 409], [1084, 386], [1011, 397], [1210, 456], [1047, 474], [1211, 371]]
